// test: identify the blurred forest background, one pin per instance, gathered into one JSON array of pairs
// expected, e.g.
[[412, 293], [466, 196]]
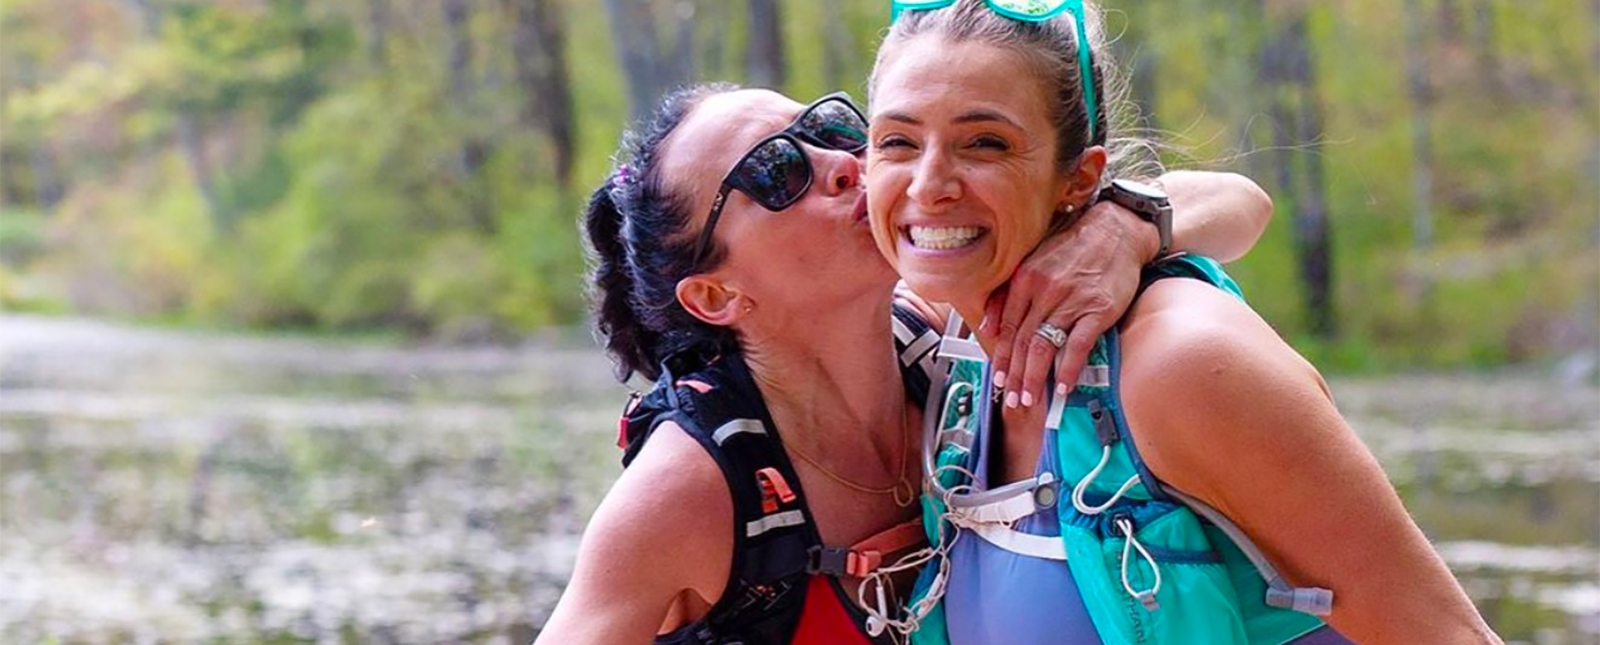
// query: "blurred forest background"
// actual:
[[419, 164], [414, 169]]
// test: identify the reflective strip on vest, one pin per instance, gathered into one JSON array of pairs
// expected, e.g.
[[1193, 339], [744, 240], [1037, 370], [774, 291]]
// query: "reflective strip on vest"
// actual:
[[918, 348], [737, 426], [774, 521], [1046, 547]]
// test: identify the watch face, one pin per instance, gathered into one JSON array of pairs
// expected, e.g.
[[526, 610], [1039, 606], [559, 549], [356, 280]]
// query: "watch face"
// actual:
[[1142, 190]]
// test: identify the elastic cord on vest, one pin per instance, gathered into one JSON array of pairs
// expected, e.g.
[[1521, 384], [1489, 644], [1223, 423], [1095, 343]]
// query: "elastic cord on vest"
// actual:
[[1148, 596], [1083, 485], [1105, 430]]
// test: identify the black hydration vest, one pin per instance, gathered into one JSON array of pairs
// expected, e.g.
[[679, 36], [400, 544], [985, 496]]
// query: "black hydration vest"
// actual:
[[777, 548]]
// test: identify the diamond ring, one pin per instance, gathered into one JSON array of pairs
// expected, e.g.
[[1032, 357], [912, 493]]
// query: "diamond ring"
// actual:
[[1053, 334]]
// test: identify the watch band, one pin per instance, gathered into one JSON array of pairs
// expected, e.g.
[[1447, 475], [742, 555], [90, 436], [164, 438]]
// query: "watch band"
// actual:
[[1149, 203]]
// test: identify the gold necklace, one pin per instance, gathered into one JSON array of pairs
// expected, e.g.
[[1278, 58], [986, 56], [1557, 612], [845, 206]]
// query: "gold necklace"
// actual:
[[902, 485]]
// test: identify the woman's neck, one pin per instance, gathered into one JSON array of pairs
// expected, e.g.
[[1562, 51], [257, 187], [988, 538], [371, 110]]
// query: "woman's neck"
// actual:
[[831, 378]]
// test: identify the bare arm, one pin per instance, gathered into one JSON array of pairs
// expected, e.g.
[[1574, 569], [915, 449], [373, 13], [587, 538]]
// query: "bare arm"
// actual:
[[660, 541], [1216, 214], [1083, 279], [1222, 409]]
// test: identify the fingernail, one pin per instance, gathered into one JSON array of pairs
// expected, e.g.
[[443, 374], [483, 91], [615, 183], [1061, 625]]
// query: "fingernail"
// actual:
[[983, 325], [1000, 377], [1027, 399], [1011, 399], [1061, 390]]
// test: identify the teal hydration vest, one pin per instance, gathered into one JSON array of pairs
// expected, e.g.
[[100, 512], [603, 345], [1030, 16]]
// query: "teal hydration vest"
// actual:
[[1151, 564]]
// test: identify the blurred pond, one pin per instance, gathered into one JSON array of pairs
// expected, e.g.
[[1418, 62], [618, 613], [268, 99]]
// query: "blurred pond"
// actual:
[[180, 487]]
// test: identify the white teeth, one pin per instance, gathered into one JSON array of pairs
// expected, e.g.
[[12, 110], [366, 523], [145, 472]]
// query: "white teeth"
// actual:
[[944, 237]]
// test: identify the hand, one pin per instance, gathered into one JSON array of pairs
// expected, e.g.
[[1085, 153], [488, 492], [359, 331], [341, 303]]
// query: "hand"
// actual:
[[1080, 280]]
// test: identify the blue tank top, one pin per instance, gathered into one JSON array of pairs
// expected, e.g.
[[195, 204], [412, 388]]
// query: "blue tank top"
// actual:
[[997, 596]]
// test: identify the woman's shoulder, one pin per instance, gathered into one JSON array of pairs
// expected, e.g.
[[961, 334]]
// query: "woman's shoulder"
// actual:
[[669, 515], [1190, 324], [1203, 375], [675, 481]]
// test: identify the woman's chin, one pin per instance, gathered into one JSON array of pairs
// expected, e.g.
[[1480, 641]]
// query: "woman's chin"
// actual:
[[943, 275], [941, 286]]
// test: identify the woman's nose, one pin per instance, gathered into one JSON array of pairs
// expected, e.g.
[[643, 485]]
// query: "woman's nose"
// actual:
[[840, 170], [933, 181]]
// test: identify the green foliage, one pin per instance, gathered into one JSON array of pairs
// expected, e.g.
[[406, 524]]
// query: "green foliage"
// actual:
[[288, 164]]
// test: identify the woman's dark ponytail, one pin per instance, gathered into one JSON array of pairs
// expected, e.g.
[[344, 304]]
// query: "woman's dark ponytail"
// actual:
[[611, 288], [641, 246]]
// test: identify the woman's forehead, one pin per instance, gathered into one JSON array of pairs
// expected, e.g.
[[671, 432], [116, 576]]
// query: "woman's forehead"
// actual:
[[717, 132], [932, 73]]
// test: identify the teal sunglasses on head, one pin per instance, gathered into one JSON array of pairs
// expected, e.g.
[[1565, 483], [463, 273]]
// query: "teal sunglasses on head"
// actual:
[[1030, 11]]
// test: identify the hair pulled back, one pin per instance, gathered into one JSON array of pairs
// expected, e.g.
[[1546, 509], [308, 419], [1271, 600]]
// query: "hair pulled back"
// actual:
[[1050, 51], [640, 247]]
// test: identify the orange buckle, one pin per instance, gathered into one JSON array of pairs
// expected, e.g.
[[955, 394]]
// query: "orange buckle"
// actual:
[[861, 563], [774, 489]]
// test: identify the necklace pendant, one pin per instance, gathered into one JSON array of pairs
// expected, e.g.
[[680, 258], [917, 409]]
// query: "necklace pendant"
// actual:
[[910, 493]]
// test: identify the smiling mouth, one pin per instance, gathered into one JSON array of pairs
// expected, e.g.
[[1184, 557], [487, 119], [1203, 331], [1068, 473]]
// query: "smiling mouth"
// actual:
[[942, 238]]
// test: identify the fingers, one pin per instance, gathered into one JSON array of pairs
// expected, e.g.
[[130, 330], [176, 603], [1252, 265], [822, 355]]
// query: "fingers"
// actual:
[[1042, 355], [1031, 356], [991, 327], [1075, 355]]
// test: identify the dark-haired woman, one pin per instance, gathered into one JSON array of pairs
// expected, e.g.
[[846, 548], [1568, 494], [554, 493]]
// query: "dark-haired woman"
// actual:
[[735, 265]]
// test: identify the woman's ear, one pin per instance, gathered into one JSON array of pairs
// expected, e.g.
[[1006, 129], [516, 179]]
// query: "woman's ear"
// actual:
[[711, 301], [1084, 178]]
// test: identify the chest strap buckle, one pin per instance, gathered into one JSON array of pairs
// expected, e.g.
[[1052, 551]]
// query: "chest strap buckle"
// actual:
[[840, 561]]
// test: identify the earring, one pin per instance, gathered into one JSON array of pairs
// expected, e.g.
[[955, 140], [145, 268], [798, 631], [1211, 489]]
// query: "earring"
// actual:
[[1068, 209]]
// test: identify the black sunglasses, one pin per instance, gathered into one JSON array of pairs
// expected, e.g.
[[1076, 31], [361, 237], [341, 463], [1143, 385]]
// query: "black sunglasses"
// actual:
[[776, 172]]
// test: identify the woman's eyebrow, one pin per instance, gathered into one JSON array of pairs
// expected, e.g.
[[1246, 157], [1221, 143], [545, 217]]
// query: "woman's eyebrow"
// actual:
[[900, 117], [983, 116], [975, 116]]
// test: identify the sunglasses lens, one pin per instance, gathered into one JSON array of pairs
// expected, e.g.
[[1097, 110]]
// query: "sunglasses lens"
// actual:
[[775, 174], [835, 124]]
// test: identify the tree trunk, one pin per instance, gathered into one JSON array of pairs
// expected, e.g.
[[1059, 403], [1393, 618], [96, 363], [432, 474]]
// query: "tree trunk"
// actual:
[[1421, 128], [1484, 41], [378, 32], [1272, 80], [638, 47], [1288, 73], [764, 65], [191, 136], [1449, 18], [538, 47], [457, 15], [717, 19], [47, 191], [1312, 230], [475, 149], [837, 47], [1255, 88], [683, 51]]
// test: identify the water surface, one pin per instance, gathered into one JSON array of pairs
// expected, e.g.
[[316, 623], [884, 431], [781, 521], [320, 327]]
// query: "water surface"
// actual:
[[181, 487]]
